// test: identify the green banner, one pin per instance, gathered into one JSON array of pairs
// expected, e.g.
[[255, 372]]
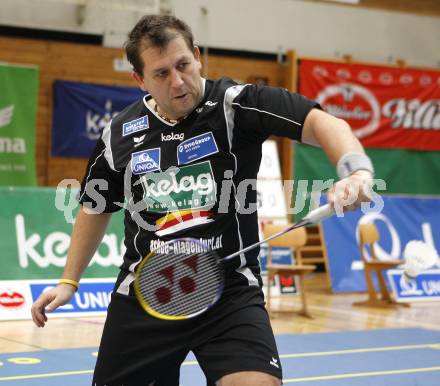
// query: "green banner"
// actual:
[[404, 171], [35, 235], [18, 109]]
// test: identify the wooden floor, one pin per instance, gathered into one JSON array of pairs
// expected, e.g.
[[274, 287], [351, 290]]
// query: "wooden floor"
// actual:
[[330, 313]]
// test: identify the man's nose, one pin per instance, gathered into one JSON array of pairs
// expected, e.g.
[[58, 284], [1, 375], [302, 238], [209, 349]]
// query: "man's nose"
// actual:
[[176, 79]]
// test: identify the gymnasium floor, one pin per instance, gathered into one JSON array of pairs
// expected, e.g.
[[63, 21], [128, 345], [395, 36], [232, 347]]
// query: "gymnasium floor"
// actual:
[[383, 357], [341, 346]]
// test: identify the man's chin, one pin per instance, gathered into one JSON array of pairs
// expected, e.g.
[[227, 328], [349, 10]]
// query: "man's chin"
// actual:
[[183, 112]]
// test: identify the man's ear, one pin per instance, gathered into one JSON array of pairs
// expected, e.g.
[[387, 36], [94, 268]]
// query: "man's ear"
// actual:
[[196, 53], [138, 79]]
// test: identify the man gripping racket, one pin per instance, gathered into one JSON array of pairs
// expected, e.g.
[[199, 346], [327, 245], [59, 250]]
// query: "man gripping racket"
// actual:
[[175, 161]]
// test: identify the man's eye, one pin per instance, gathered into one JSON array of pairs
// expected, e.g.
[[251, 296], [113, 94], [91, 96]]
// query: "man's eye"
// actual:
[[183, 65]]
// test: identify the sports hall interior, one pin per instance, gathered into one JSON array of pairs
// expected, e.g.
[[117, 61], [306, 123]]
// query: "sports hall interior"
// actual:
[[396, 35]]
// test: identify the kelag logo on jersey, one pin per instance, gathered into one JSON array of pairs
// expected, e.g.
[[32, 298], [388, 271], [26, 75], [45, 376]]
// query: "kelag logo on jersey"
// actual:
[[187, 187], [196, 148], [145, 161], [139, 124]]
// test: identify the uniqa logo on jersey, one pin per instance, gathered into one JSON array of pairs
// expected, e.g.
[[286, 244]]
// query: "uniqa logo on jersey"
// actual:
[[145, 161], [355, 104], [186, 187]]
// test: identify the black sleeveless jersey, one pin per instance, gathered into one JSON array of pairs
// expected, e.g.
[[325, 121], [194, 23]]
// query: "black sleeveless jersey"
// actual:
[[195, 178]]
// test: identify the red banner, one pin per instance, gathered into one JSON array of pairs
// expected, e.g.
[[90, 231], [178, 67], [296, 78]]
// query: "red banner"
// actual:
[[387, 107]]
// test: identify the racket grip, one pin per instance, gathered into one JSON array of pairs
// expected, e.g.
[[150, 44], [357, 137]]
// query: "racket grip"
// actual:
[[319, 214]]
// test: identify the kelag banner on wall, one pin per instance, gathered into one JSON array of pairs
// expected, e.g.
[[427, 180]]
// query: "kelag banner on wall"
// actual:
[[387, 107], [36, 236], [402, 219], [80, 113], [18, 109]]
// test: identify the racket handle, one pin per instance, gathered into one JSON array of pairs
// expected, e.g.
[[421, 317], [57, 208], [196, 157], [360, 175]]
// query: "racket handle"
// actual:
[[313, 217], [319, 214]]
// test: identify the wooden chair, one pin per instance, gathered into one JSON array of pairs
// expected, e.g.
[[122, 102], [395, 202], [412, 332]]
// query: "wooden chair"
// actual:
[[369, 235], [293, 239]]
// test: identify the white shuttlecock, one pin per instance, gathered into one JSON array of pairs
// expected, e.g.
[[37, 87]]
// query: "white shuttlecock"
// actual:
[[419, 256]]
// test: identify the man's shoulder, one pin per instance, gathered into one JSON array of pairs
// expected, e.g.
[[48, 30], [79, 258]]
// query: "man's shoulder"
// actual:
[[220, 85]]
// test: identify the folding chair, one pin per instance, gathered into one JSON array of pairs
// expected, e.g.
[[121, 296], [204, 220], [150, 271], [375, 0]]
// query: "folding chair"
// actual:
[[294, 239], [368, 236]]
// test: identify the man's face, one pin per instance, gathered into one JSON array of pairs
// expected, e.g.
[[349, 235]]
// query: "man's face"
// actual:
[[172, 76]]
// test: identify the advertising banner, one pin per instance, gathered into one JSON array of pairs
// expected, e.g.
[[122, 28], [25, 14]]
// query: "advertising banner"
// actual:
[[271, 202], [36, 237], [93, 296], [80, 113], [418, 176], [270, 163], [387, 107], [17, 297], [15, 300], [18, 110], [399, 221], [426, 286]]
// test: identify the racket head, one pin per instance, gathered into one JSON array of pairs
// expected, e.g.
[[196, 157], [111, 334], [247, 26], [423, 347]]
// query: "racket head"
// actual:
[[179, 280]]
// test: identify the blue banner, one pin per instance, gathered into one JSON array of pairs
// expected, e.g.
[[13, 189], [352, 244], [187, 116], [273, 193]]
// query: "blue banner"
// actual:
[[92, 296], [280, 255], [426, 286], [401, 220], [80, 113]]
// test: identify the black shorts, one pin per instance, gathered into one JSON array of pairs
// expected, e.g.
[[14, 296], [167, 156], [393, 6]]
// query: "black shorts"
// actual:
[[234, 335]]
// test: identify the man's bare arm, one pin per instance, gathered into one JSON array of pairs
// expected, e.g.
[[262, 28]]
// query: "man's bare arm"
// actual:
[[87, 234], [335, 137]]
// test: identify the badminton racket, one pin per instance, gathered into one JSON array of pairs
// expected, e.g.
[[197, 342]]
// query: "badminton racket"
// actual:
[[183, 278]]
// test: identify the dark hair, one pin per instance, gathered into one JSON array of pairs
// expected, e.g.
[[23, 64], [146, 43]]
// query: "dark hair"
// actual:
[[156, 31]]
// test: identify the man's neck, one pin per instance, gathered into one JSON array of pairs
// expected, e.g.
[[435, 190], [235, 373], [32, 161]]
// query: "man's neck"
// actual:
[[164, 116]]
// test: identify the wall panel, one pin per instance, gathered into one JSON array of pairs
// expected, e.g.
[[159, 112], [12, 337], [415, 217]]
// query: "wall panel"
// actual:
[[94, 64]]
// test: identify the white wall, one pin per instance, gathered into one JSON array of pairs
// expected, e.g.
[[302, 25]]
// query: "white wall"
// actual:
[[315, 29], [312, 29]]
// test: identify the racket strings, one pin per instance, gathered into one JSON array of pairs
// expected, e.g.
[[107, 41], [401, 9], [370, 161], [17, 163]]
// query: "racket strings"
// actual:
[[180, 284], [184, 302]]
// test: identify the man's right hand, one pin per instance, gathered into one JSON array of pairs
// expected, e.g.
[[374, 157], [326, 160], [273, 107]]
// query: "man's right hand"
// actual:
[[49, 301]]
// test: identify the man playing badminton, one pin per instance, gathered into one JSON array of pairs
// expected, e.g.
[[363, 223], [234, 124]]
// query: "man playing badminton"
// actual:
[[175, 160]]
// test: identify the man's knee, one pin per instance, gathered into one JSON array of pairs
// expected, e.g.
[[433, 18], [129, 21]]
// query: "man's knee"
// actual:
[[248, 378]]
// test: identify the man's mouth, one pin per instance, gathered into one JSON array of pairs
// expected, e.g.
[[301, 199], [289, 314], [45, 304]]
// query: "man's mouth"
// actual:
[[181, 96]]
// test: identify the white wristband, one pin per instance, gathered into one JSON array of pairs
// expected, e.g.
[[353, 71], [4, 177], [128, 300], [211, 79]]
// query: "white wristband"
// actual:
[[352, 162]]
